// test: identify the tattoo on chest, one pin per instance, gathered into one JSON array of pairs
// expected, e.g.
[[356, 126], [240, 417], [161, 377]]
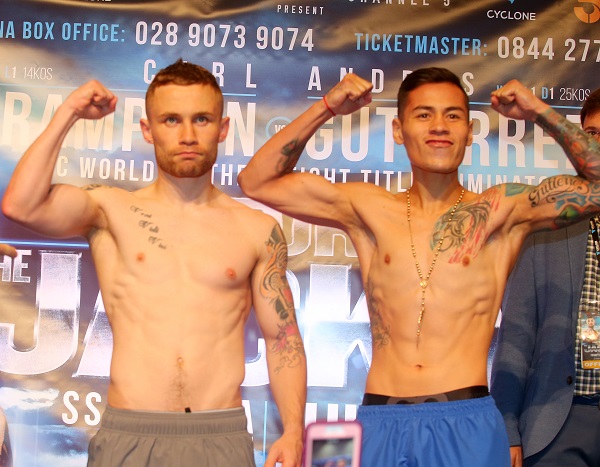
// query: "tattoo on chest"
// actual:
[[146, 223], [91, 187], [466, 234]]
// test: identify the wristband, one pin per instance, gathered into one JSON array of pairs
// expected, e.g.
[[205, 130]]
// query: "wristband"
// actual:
[[328, 108]]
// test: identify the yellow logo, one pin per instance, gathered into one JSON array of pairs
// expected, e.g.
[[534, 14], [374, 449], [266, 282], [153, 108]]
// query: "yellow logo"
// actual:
[[590, 12]]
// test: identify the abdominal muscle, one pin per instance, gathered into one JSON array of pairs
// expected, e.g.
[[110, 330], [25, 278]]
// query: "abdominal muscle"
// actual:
[[431, 374], [451, 352], [178, 350]]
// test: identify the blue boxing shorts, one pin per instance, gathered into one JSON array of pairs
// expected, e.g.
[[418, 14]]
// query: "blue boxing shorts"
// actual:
[[459, 433]]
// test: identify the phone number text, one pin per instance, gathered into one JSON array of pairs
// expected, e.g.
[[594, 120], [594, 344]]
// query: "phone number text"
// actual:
[[572, 50], [223, 35]]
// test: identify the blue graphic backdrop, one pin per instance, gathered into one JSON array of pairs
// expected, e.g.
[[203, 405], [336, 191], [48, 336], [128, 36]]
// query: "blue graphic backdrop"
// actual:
[[272, 60]]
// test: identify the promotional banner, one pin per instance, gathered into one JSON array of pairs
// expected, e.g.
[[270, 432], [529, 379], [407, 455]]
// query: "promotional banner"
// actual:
[[272, 60]]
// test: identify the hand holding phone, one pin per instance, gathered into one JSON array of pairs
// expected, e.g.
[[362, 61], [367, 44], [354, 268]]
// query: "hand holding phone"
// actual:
[[333, 444]]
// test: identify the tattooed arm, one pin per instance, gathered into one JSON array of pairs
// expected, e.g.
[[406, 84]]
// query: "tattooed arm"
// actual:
[[268, 177], [30, 199], [516, 101], [286, 360], [555, 203]]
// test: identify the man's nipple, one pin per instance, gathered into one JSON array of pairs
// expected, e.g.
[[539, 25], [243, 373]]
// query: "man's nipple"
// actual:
[[230, 273]]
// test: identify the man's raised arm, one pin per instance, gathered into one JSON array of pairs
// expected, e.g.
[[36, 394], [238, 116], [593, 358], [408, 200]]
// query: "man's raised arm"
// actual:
[[30, 199], [268, 177], [514, 100]]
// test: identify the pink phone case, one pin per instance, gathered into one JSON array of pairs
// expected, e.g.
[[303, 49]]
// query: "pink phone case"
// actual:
[[333, 444]]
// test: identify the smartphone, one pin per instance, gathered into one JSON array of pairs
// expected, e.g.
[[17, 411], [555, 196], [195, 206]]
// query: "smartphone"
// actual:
[[333, 444]]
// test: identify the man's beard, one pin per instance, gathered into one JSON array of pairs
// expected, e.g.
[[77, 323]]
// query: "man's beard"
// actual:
[[187, 168]]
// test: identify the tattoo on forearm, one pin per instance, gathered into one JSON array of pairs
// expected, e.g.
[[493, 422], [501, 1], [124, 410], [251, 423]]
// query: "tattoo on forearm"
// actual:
[[145, 223], [582, 149], [380, 331], [288, 346], [274, 286], [291, 152]]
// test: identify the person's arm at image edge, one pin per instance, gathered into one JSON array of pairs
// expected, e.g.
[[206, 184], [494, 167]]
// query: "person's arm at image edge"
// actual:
[[30, 198]]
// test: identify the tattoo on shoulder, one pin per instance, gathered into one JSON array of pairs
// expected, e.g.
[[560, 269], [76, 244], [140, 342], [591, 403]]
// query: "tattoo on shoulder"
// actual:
[[380, 331], [513, 189]]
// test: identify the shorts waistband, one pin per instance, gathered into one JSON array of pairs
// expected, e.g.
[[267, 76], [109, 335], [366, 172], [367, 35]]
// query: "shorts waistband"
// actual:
[[593, 399], [141, 422], [471, 392]]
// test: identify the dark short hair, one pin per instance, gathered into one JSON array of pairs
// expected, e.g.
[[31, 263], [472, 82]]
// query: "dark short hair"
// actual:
[[591, 105], [182, 74], [424, 76]]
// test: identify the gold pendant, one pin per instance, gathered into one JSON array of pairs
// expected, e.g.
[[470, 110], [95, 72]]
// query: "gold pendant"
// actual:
[[423, 282]]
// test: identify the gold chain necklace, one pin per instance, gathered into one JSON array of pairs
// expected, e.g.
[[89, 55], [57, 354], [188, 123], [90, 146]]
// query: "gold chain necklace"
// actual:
[[425, 280]]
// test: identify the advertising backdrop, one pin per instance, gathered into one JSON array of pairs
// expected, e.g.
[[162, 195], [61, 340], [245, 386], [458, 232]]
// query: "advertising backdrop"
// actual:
[[272, 60]]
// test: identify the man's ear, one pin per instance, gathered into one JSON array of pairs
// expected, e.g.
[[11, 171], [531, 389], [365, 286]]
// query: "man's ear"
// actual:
[[145, 126], [397, 131], [224, 129], [470, 138]]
